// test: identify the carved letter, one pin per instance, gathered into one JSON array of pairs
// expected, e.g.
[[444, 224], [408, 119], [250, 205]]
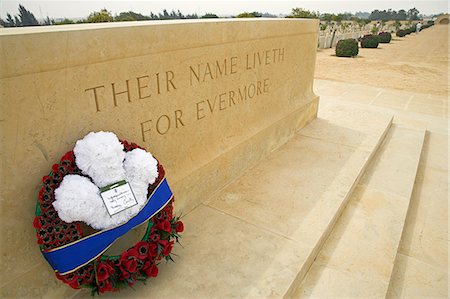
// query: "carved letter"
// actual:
[[197, 75], [211, 108], [281, 54], [207, 72], [247, 67], [94, 89], [115, 94], [223, 70], [169, 80], [242, 96], [142, 87], [266, 85], [158, 84], [258, 90], [158, 122], [222, 100], [250, 92], [178, 115], [199, 109], [231, 98], [143, 130], [233, 65]]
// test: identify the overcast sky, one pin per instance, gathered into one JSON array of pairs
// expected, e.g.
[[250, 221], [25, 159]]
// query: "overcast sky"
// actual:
[[64, 8]]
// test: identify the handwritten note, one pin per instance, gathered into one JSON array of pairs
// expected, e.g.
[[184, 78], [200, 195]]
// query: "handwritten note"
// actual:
[[118, 197]]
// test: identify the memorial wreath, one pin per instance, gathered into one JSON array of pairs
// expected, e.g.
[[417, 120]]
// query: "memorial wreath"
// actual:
[[94, 195]]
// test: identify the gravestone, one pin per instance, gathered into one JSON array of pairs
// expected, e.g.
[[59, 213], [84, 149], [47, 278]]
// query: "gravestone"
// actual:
[[208, 98]]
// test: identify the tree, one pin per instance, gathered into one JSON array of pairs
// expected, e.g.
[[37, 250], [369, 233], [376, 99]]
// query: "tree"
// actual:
[[173, 15], [401, 15], [326, 17], [268, 15], [254, 14], [100, 16], [413, 14], [337, 18], [26, 17], [9, 22], [130, 16], [303, 13], [49, 21], [209, 16], [65, 22], [362, 15]]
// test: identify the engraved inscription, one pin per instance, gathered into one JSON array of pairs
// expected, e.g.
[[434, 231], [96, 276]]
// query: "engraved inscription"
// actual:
[[138, 88], [146, 87]]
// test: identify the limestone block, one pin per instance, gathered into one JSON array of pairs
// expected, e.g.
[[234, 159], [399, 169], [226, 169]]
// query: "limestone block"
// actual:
[[209, 98]]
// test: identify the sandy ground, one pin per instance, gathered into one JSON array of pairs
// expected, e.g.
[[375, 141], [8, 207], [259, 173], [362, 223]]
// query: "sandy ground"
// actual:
[[417, 63]]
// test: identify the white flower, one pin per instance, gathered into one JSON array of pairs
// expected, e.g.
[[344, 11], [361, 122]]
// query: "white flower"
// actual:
[[78, 199], [100, 156], [141, 170]]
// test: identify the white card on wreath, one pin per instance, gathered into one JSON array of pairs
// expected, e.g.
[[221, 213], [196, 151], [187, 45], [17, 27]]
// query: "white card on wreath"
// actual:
[[118, 197]]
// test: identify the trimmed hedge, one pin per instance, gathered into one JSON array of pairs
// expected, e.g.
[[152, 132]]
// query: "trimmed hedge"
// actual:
[[347, 48], [403, 32], [385, 37], [400, 33], [370, 41]]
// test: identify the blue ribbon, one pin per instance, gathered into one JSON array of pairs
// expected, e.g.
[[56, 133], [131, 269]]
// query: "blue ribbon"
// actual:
[[72, 256]]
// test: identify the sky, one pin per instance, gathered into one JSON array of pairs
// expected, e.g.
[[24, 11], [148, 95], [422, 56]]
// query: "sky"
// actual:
[[77, 9]]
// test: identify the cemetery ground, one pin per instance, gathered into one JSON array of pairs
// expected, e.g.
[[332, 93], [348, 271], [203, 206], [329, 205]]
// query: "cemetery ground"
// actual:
[[415, 63], [409, 78]]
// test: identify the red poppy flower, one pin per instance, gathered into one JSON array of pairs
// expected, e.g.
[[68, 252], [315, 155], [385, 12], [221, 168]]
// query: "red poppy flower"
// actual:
[[128, 260], [124, 274], [55, 167], [150, 269], [37, 222], [46, 180], [104, 271], [154, 237], [142, 249], [167, 247], [69, 156], [71, 279], [165, 226], [105, 286], [152, 250], [179, 227]]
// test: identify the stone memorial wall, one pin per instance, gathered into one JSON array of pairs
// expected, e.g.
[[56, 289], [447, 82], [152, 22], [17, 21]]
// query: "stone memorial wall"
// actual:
[[208, 98]]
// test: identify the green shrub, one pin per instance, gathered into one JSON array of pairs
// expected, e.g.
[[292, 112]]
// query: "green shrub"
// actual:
[[347, 48], [370, 41], [385, 37], [400, 33]]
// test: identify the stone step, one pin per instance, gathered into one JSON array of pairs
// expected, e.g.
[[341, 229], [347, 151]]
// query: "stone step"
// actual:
[[357, 259], [257, 237]]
